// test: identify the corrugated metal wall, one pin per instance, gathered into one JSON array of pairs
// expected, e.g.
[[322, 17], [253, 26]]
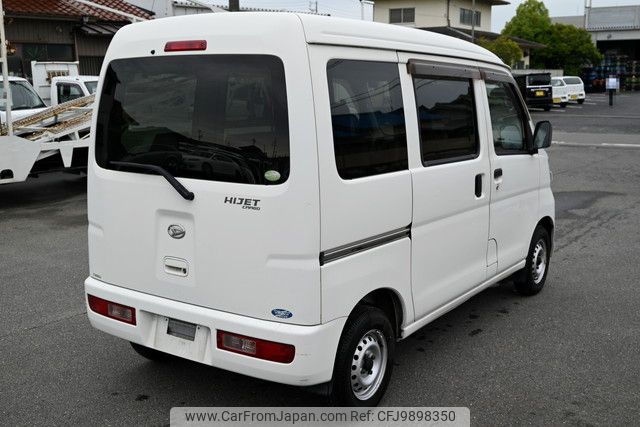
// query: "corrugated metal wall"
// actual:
[[39, 31], [92, 45]]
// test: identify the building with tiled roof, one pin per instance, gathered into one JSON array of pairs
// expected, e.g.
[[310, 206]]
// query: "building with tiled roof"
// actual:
[[63, 30]]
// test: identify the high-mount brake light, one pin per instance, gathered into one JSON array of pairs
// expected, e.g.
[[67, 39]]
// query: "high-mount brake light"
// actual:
[[255, 347], [120, 312], [181, 46]]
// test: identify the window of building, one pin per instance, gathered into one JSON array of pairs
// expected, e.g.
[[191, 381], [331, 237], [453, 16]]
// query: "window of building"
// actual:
[[508, 120], [367, 117], [402, 16], [447, 119], [466, 17]]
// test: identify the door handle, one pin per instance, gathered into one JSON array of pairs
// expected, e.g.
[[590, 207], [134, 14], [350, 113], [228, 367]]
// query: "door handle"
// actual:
[[497, 173], [479, 185]]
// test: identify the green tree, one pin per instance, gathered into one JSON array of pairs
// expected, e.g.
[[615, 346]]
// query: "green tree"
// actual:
[[567, 47], [531, 22], [505, 48]]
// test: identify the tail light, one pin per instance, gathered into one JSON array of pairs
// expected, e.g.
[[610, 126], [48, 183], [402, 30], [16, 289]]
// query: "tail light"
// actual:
[[254, 347], [182, 46], [112, 310]]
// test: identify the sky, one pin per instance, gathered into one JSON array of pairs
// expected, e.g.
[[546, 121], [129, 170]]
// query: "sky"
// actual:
[[500, 14]]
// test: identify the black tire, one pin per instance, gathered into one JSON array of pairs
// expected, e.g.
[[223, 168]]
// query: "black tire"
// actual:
[[564, 105], [370, 326], [547, 108], [580, 101], [530, 280], [150, 353]]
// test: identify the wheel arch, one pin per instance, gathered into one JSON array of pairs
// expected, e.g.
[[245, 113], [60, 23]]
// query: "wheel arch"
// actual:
[[548, 224], [389, 301]]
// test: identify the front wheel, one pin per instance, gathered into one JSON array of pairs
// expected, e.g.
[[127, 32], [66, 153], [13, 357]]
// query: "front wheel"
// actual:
[[364, 360], [547, 108], [580, 101], [531, 279]]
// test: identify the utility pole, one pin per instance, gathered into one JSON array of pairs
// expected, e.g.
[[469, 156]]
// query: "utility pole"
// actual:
[[313, 6], [587, 12], [473, 21], [5, 73], [234, 5]]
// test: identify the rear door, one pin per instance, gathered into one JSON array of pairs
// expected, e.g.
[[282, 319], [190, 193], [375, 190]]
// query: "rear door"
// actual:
[[239, 132], [365, 182], [450, 168]]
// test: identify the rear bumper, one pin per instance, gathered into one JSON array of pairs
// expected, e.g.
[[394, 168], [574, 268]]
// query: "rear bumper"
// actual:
[[315, 345], [539, 102]]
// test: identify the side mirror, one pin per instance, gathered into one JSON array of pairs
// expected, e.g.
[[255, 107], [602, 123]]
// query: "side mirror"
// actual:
[[542, 135]]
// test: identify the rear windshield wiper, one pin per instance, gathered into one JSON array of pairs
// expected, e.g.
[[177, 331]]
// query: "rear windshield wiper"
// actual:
[[184, 192]]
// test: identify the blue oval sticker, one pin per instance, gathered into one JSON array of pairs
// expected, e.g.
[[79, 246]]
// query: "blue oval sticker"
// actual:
[[281, 313]]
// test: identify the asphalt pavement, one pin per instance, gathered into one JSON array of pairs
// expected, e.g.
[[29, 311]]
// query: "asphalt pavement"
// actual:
[[568, 356]]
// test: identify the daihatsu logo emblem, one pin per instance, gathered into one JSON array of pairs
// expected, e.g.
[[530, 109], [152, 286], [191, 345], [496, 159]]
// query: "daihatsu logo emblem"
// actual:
[[176, 231]]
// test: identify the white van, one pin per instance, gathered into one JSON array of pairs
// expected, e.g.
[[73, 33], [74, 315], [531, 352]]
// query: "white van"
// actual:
[[560, 91], [575, 88], [290, 203]]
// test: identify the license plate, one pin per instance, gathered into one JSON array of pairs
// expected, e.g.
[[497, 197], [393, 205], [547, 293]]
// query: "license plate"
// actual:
[[556, 100], [180, 329], [574, 96], [539, 93]]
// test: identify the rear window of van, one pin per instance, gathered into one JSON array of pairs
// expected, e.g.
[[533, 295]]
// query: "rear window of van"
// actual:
[[572, 80], [210, 117]]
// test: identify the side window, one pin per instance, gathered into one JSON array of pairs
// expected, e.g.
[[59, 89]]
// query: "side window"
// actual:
[[68, 92], [367, 118], [507, 119], [447, 119]]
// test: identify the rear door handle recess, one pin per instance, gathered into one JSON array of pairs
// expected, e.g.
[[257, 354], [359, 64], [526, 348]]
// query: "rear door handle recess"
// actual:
[[497, 173], [479, 185], [176, 266]]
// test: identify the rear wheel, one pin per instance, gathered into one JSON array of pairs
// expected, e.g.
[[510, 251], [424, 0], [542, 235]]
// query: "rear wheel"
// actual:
[[364, 360], [150, 353], [531, 279]]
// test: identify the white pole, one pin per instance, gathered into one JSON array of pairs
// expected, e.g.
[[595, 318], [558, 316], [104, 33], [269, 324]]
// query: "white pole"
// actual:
[[5, 74]]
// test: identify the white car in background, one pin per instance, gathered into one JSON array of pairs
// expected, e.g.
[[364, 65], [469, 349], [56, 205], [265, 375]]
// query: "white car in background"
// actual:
[[575, 88], [560, 91], [26, 100]]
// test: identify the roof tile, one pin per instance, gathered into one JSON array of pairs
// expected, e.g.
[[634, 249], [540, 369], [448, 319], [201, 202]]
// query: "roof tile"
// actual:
[[70, 8]]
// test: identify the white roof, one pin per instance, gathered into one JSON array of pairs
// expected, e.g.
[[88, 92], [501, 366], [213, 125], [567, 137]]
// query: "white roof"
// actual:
[[351, 32], [14, 79], [312, 28]]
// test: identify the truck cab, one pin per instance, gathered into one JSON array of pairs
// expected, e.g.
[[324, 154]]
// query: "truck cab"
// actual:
[[25, 99], [68, 88]]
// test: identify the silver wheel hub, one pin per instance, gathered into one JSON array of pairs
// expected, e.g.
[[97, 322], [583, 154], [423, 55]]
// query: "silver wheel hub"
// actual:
[[539, 261], [368, 364]]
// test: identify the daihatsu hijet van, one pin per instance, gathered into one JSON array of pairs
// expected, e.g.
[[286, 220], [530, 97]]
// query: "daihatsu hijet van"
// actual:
[[287, 196]]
